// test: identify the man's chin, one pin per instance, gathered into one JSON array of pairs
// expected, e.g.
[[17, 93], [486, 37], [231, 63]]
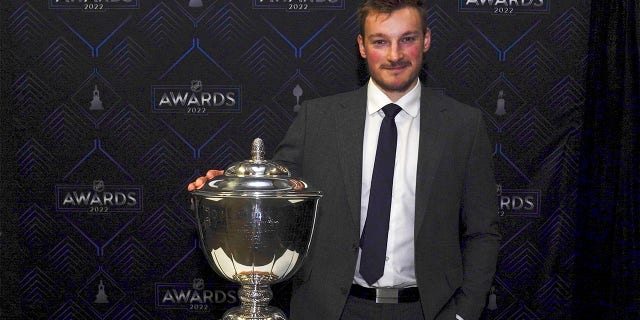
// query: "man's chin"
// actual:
[[394, 86]]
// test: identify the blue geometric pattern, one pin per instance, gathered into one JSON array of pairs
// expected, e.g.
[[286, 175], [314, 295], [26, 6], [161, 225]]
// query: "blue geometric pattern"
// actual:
[[81, 84], [30, 93], [26, 24], [37, 226]]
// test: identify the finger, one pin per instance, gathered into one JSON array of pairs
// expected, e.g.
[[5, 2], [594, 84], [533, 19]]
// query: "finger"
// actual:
[[213, 172], [191, 186], [200, 182]]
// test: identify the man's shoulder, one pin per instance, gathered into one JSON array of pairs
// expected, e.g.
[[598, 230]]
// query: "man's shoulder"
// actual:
[[437, 97]]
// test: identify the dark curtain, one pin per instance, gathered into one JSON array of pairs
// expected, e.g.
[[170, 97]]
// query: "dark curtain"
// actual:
[[607, 284]]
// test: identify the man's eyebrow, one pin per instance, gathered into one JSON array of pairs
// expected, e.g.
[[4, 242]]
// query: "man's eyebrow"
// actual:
[[408, 33]]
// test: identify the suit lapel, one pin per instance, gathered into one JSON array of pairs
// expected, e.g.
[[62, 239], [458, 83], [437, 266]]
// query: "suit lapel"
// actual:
[[350, 127], [430, 150]]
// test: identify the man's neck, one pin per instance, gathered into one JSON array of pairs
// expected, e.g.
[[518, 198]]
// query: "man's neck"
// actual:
[[394, 96]]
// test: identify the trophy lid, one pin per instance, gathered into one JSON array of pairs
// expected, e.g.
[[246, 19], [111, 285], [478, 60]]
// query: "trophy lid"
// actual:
[[256, 178]]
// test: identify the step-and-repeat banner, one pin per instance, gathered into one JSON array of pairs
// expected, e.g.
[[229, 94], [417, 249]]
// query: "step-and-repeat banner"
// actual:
[[116, 105]]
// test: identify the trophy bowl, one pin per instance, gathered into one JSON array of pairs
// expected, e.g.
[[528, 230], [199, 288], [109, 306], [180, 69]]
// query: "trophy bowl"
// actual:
[[255, 225]]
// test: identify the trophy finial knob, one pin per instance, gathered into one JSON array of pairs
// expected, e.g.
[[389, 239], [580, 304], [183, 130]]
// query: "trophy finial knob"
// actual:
[[257, 150]]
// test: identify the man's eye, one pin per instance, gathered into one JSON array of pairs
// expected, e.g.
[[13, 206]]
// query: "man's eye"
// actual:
[[378, 42], [408, 39]]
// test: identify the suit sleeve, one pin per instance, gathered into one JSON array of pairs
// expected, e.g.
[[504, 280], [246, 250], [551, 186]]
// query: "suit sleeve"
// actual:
[[290, 151], [479, 229]]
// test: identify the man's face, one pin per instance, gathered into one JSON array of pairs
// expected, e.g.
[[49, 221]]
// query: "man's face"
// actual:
[[393, 45]]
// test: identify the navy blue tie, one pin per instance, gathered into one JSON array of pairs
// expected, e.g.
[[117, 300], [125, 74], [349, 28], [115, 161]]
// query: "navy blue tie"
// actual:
[[376, 228]]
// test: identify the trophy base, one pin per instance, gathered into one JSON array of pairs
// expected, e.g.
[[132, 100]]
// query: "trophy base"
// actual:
[[255, 295], [266, 313]]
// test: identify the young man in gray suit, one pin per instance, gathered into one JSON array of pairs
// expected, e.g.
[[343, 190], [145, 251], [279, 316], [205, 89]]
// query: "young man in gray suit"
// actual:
[[407, 228]]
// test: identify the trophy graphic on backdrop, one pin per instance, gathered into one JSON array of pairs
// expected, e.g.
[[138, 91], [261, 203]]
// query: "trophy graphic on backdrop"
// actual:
[[500, 110], [297, 92], [255, 224], [101, 297], [96, 103]]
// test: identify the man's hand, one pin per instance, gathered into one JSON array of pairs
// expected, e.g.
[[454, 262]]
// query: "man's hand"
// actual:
[[201, 180]]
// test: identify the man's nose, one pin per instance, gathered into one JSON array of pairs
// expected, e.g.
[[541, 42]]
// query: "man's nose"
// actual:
[[394, 53]]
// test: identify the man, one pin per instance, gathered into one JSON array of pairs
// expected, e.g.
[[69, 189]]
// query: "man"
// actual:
[[438, 202]]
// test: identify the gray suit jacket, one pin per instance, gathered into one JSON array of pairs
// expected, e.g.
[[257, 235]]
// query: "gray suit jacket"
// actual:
[[456, 233]]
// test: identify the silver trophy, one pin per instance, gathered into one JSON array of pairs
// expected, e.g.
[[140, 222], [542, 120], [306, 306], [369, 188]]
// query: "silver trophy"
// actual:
[[255, 224]]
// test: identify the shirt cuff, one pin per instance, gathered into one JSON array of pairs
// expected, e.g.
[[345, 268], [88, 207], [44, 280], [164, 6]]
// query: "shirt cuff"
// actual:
[[458, 317]]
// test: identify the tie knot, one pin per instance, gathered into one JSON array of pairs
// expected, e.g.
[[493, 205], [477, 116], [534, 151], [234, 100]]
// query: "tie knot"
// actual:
[[391, 110]]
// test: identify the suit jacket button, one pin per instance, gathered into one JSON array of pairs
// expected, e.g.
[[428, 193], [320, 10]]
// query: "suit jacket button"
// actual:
[[344, 290], [354, 246]]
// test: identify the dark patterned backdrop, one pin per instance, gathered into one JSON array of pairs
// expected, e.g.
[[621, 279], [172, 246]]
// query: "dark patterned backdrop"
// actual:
[[111, 107]]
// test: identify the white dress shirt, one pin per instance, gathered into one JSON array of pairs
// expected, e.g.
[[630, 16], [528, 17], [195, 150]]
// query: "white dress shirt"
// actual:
[[399, 270]]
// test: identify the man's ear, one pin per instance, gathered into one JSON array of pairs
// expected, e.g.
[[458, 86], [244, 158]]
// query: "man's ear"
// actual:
[[427, 41], [363, 53]]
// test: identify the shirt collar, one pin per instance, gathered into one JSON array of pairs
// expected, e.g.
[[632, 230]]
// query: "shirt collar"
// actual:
[[376, 99]]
